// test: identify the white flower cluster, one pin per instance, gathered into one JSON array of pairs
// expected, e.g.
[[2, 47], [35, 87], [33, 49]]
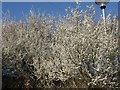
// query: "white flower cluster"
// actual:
[[77, 47]]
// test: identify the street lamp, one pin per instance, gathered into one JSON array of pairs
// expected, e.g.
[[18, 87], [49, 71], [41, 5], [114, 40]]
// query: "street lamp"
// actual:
[[76, 1], [102, 4]]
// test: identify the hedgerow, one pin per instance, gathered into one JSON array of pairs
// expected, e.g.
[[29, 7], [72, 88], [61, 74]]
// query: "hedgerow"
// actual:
[[78, 47]]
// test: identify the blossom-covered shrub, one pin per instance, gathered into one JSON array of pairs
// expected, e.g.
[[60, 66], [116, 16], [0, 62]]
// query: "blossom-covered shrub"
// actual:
[[78, 47]]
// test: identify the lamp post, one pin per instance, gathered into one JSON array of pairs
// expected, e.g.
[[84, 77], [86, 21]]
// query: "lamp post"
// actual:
[[102, 4], [76, 1]]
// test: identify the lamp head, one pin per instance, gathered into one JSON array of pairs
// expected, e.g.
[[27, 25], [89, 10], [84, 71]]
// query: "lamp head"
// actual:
[[102, 3]]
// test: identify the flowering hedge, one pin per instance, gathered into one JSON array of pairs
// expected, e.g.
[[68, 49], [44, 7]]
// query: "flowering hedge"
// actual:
[[78, 46]]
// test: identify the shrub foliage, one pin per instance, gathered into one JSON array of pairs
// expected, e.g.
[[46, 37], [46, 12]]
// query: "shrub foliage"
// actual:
[[73, 46]]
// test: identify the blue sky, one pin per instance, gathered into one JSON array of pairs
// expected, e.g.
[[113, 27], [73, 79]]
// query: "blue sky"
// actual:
[[54, 8], [54, 0], [0, 12]]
